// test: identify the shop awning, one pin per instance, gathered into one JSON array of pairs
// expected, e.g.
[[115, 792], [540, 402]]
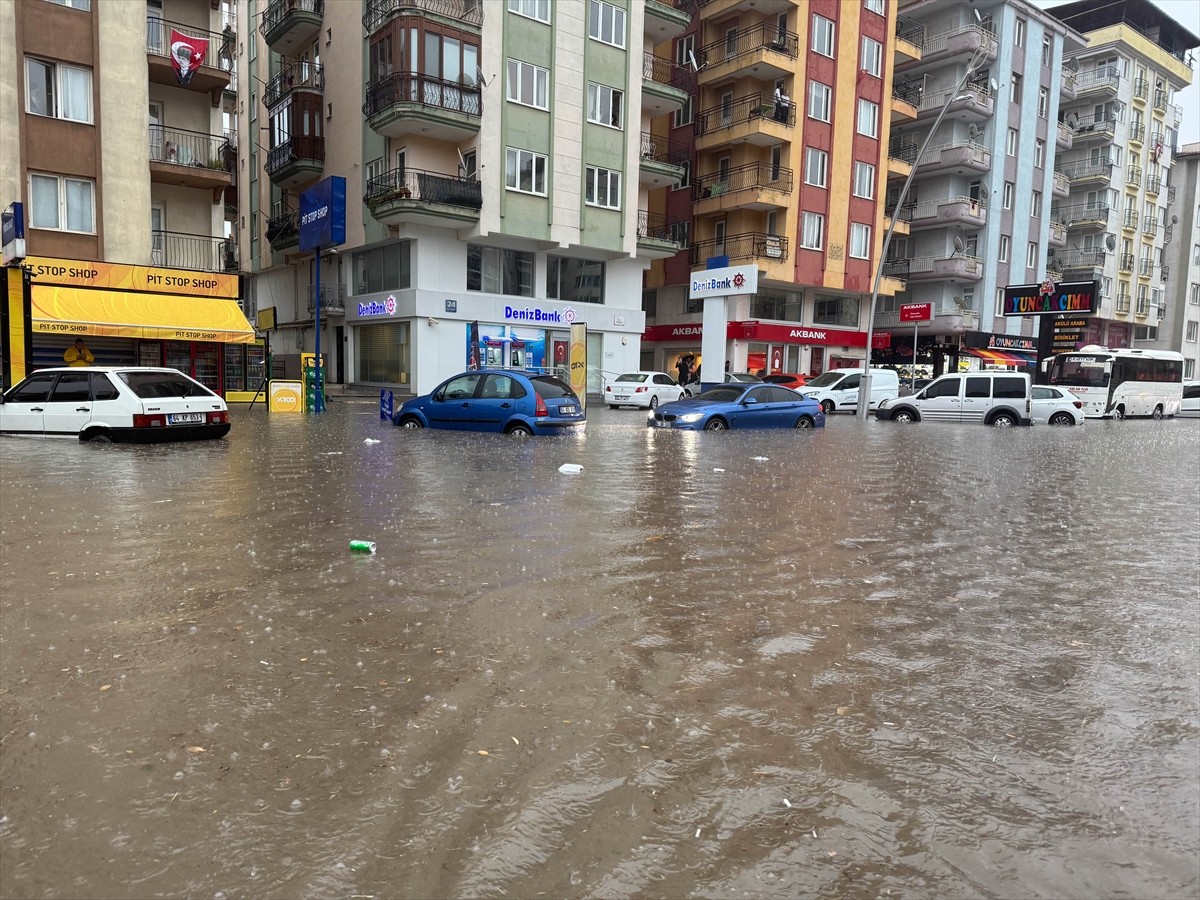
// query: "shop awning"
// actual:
[[72, 311], [1002, 357]]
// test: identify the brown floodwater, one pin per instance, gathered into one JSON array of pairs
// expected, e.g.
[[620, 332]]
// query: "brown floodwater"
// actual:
[[868, 661]]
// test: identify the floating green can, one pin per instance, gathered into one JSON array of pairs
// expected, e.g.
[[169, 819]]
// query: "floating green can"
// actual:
[[362, 546]]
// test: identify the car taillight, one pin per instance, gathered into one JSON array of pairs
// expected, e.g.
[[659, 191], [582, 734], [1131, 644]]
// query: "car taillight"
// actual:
[[149, 421], [540, 408], [608, 390], [218, 418], [1078, 404], [641, 389]]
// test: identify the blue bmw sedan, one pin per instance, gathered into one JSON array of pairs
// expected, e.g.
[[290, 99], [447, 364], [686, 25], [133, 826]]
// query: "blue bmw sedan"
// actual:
[[507, 401], [737, 405]]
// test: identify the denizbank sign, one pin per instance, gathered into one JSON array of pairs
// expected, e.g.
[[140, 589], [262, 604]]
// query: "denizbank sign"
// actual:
[[539, 316], [723, 282]]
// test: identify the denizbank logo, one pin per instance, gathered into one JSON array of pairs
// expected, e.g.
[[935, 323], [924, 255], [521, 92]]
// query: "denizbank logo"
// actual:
[[539, 316], [723, 282], [375, 308]]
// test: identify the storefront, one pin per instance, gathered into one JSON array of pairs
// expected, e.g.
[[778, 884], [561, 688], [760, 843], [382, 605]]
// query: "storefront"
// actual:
[[141, 315], [1007, 350]]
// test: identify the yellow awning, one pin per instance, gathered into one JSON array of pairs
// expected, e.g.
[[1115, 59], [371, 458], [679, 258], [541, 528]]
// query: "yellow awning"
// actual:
[[67, 310]]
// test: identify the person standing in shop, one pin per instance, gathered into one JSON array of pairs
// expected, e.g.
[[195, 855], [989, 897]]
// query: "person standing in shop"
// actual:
[[78, 354]]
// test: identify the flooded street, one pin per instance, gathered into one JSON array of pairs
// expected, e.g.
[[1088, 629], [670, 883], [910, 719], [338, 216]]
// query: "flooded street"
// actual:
[[871, 660]]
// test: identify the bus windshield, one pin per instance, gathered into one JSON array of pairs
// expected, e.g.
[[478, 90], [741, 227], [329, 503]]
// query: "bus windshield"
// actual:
[[1080, 371]]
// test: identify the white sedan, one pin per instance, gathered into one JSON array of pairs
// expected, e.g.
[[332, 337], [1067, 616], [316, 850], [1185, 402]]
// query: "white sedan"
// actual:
[[642, 389], [1055, 406]]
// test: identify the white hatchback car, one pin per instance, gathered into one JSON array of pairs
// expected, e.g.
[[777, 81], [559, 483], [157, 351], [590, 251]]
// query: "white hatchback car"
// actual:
[[1190, 408], [643, 389], [1055, 406], [136, 404]]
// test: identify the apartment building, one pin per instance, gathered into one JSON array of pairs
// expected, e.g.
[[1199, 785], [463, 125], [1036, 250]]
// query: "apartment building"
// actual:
[[117, 140], [500, 169], [1124, 122], [1179, 327]]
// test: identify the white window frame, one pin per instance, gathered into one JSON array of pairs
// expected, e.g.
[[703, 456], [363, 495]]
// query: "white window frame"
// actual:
[[58, 70], [1031, 255], [1039, 153], [812, 222], [824, 35], [598, 12], [61, 210], [860, 241], [869, 128], [1004, 247], [82, 5], [864, 180], [1010, 190], [1043, 103], [600, 105], [875, 6], [538, 10], [1019, 33], [686, 114], [818, 92], [603, 187], [514, 157], [1015, 82], [872, 56], [1035, 208], [1011, 146], [526, 77], [816, 159]]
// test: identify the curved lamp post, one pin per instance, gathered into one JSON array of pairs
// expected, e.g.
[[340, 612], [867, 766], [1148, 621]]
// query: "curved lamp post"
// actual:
[[864, 390]]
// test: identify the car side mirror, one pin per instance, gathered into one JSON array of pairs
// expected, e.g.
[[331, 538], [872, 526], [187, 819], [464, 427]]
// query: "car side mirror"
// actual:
[[749, 401]]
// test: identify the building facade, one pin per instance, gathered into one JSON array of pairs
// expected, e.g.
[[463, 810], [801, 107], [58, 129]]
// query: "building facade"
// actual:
[[1179, 327]]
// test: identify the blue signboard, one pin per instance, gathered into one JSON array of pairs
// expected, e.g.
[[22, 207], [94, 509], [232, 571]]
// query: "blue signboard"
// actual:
[[386, 400], [323, 214]]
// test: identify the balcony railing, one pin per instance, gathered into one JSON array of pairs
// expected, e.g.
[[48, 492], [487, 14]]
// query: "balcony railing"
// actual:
[[221, 49], [277, 11], [900, 213], [1149, 223], [978, 94], [1141, 89], [284, 226], [202, 252], [762, 36], [1133, 175], [426, 187], [180, 147], [1130, 219], [936, 43], [1083, 212], [749, 245], [379, 11], [333, 297], [907, 92], [665, 71], [752, 107], [1086, 168], [1168, 234], [1079, 259], [292, 76], [903, 150], [300, 147], [1123, 303], [1160, 100], [742, 178], [1145, 266], [1170, 194], [1153, 183], [1137, 132], [910, 31], [896, 268], [657, 227], [664, 150], [1101, 124], [1163, 273], [1143, 307], [427, 90], [1125, 262], [1104, 77]]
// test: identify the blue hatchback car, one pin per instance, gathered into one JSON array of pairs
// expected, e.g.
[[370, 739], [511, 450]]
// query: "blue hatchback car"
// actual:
[[507, 401], [737, 405]]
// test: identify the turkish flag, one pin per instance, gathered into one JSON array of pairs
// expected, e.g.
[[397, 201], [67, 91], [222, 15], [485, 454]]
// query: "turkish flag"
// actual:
[[187, 55]]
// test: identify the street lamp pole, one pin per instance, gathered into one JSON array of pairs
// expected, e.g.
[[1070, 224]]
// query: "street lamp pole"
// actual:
[[864, 390]]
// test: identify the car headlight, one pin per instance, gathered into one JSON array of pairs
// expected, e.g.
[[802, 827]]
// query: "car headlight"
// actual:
[[691, 417]]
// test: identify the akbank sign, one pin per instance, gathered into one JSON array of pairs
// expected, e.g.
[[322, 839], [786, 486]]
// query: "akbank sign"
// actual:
[[723, 282]]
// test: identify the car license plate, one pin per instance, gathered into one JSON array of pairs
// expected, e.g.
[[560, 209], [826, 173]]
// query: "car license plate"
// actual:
[[622, 397], [185, 418], [567, 410]]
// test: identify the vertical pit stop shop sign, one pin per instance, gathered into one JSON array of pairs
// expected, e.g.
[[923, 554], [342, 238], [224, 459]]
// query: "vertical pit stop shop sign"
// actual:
[[916, 312]]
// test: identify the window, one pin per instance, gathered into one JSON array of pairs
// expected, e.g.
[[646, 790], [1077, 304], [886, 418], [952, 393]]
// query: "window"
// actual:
[[1004, 248], [685, 50], [606, 23], [1035, 208], [1009, 190], [470, 165], [1031, 255], [864, 180], [868, 118], [1019, 33], [525, 171], [528, 84], [1193, 329], [816, 166], [606, 105], [812, 237], [875, 6], [1015, 92], [836, 311], [872, 56], [818, 101], [822, 35], [1043, 102], [61, 203], [1047, 49], [386, 268], [74, 4], [1039, 153], [499, 271], [58, 90], [1011, 146], [860, 240], [574, 280], [531, 9], [603, 187]]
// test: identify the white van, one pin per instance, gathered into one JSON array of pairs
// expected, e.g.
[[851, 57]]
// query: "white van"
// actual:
[[993, 398], [837, 389]]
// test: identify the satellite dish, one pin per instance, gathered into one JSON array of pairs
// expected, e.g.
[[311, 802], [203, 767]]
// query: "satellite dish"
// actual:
[[959, 246], [1072, 121], [995, 86], [1073, 64], [1174, 220], [961, 304], [1110, 243]]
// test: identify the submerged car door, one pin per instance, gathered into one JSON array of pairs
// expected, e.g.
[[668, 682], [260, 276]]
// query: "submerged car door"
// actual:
[[497, 401], [941, 401], [976, 398], [845, 395], [451, 405], [755, 410], [21, 412], [70, 405]]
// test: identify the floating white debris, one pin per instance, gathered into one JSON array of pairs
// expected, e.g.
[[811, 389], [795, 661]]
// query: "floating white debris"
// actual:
[[570, 468], [370, 441], [718, 470], [759, 458]]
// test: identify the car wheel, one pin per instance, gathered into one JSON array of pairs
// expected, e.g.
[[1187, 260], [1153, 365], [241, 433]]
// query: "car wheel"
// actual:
[[654, 402], [1062, 418], [907, 416], [682, 396], [520, 430], [410, 422], [716, 425], [805, 423], [1003, 420], [827, 406], [97, 437], [1118, 413], [612, 406], [1158, 413]]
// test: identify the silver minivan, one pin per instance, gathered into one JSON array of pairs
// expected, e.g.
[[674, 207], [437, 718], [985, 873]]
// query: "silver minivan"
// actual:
[[993, 398]]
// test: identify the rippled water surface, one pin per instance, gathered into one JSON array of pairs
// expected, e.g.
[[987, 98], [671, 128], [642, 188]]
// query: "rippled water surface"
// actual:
[[874, 660]]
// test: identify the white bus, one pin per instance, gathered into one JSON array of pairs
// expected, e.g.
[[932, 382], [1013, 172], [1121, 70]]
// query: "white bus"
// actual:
[[1114, 384]]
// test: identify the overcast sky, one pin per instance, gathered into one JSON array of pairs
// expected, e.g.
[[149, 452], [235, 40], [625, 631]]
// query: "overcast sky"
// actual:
[[1187, 14]]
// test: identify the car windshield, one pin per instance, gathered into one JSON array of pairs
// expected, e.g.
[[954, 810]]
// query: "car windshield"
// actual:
[[827, 379], [551, 388], [163, 384], [722, 393], [636, 377]]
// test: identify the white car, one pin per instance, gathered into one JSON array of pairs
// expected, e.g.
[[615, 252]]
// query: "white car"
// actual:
[[1190, 408], [642, 389], [136, 404], [693, 389], [1055, 406]]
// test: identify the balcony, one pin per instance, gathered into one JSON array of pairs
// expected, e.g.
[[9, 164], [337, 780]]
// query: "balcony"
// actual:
[[749, 245], [283, 228], [1149, 224], [296, 77], [901, 156], [212, 77], [1137, 132], [667, 19], [1125, 262], [760, 186], [296, 161], [1163, 273], [1153, 184], [1170, 194], [456, 12], [666, 87], [1084, 215], [938, 268], [191, 159], [1168, 234], [288, 25], [663, 161], [410, 103], [1060, 186], [200, 252], [752, 119], [1123, 303], [1079, 260], [424, 198], [1133, 177], [906, 100], [761, 51], [910, 40], [1095, 128], [1104, 80], [1145, 267], [1085, 171], [899, 219], [1157, 140], [1067, 89], [1141, 90], [1064, 139], [948, 211], [1143, 307], [957, 43], [959, 157], [1058, 234], [333, 298], [1129, 220], [1160, 100], [659, 237], [896, 268], [973, 102]]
